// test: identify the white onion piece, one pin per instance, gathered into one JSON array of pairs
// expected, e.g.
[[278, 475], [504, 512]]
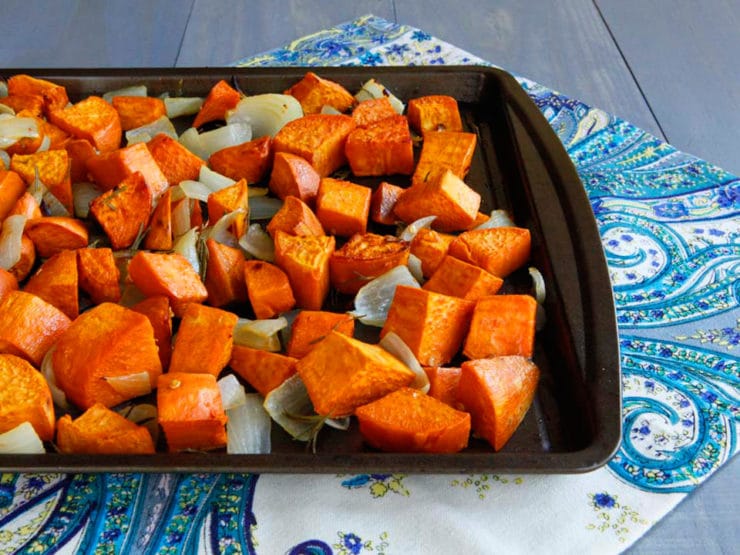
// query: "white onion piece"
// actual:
[[231, 134], [133, 90], [45, 144], [131, 385], [539, 284], [43, 196], [182, 105], [180, 214], [232, 392], [5, 159], [339, 423], [5, 109], [266, 113], [413, 228], [499, 218], [83, 194], [3, 88], [21, 440], [221, 230], [145, 133], [373, 89], [259, 334], [187, 246], [195, 189], [192, 140], [257, 242], [373, 300], [263, 208], [414, 264], [11, 236], [330, 110], [12, 129], [257, 191], [214, 180], [291, 399], [143, 414], [47, 369], [396, 346], [249, 427]]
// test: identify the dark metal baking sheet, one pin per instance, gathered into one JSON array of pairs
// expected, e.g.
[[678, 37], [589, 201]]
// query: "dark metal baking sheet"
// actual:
[[574, 424]]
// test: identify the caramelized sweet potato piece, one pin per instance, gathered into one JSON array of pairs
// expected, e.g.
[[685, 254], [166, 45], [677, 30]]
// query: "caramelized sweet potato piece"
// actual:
[[249, 160], [443, 383], [499, 250], [227, 200], [92, 119], [459, 279], [430, 247], [342, 373], [157, 310], [56, 282], [79, 152], [498, 393], [434, 113], [364, 257], [8, 282], [135, 111], [306, 262], [51, 235], [101, 431], [107, 355], [54, 172], [98, 274], [318, 138], [407, 421], [24, 397], [372, 110], [448, 149], [30, 103], [382, 202], [176, 162], [204, 340], [224, 274], [221, 98], [381, 148], [268, 289], [293, 176], [502, 325], [57, 138], [26, 206], [190, 411], [343, 207], [28, 258], [296, 218], [314, 92], [311, 326], [110, 169], [12, 188], [432, 325], [55, 96], [159, 236], [263, 370]]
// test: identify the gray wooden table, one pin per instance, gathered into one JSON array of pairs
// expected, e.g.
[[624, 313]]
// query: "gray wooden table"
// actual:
[[671, 67]]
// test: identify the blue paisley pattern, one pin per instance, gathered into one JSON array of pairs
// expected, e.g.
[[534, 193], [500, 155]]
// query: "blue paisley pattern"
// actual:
[[670, 225]]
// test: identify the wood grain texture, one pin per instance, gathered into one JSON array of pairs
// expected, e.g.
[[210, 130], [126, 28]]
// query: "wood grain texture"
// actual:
[[220, 33], [686, 57], [88, 33], [563, 45]]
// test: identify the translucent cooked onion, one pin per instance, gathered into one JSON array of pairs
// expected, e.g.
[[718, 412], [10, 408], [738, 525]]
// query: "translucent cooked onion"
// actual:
[[410, 231], [539, 284], [180, 215], [178, 106], [11, 236], [147, 132], [232, 392], [231, 134], [187, 245], [373, 300], [499, 218], [133, 90], [45, 144], [214, 180], [143, 414], [221, 230], [195, 189], [3, 88], [4, 160], [192, 140], [414, 264], [330, 110], [396, 346], [21, 440], [288, 400], [13, 129], [263, 208], [83, 194], [249, 427], [373, 89], [130, 385], [266, 113], [5, 109], [257, 242], [259, 334], [43, 196], [47, 369]]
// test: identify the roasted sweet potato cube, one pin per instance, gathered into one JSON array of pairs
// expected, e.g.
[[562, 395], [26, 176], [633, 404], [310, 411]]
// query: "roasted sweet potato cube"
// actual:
[[29, 103], [190, 411], [460, 279], [318, 138], [109, 169], [249, 160], [136, 111], [157, 310], [204, 340], [364, 257], [306, 262], [12, 188], [56, 282], [24, 397], [382, 203], [56, 233], [499, 250], [92, 119], [311, 326], [23, 267], [431, 324], [297, 218], [230, 199], [342, 373], [372, 110], [221, 98], [430, 247], [99, 275], [263, 370], [79, 152], [26, 206], [502, 325], [54, 95], [268, 288], [102, 431], [314, 92], [8, 282], [449, 149], [441, 194], [159, 236], [381, 148], [434, 113], [224, 274], [343, 207], [293, 176], [443, 382], [176, 162], [123, 212], [53, 169], [56, 137]]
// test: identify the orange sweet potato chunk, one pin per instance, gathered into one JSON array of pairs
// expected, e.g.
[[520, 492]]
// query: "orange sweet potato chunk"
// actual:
[[292, 175], [54, 95], [318, 138], [157, 310], [109, 169], [448, 149], [408, 421], [24, 397], [250, 160], [26, 206], [372, 110], [499, 250], [135, 111], [296, 218], [381, 148], [224, 274], [221, 98], [430, 247], [382, 203], [23, 267], [159, 236], [443, 383], [204, 340], [103, 345], [79, 152], [54, 234], [98, 274], [459, 279], [8, 282], [343, 207], [431, 324], [364, 257], [190, 411], [314, 92], [434, 113], [176, 162], [502, 325], [342, 373], [263, 370], [54, 172], [29, 103], [305, 260], [311, 326], [56, 137], [268, 288], [102, 431], [92, 119], [227, 200], [497, 392], [12, 188], [56, 282]]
